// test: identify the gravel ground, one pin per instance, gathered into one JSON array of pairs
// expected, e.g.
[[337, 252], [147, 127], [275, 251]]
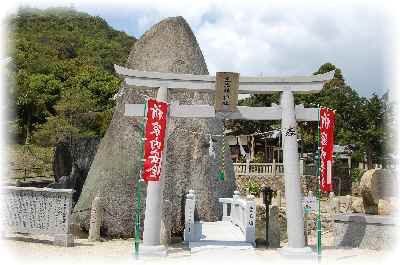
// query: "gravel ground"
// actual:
[[39, 250]]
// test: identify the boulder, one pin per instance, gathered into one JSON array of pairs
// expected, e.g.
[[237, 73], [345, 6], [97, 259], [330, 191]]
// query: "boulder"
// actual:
[[71, 163], [357, 205], [169, 46], [62, 160], [377, 184], [388, 206]]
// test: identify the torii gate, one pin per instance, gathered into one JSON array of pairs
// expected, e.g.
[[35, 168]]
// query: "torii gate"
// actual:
[[286, 111]]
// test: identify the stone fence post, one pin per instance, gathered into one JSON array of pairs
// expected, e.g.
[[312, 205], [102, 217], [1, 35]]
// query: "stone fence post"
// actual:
[[247, 164], [234, 207], [250, 226], [96, 218], [301, 164], [189, 216], [273, 168]]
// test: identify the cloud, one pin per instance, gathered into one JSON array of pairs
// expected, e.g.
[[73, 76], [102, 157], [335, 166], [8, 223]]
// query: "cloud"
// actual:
[[271, 37]]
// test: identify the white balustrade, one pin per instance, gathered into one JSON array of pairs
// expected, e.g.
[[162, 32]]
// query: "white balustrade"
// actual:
[[262, 169], [242, 214], [190, 204]]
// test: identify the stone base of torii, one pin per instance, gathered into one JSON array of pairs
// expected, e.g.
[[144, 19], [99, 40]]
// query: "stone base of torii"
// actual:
[[287, 112]]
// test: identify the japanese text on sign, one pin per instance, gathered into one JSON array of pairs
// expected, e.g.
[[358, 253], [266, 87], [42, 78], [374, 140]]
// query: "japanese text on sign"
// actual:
[[327, 123], [154, 139], [227, 85]]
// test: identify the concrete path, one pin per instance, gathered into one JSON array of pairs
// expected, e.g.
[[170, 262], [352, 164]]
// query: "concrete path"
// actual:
[[39, 250], [221, 234]]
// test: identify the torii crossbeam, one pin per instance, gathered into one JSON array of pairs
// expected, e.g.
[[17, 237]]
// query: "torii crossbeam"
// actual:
[[286, 111]]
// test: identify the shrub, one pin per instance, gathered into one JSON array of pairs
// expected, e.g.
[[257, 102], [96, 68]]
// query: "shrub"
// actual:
[[252, 187], [356, 174]]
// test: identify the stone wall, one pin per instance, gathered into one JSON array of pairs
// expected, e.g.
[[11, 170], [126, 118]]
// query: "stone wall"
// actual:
[[37, 211]]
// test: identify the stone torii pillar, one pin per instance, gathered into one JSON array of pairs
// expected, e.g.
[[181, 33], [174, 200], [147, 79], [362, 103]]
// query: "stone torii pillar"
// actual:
[[152, 220], [294, 208]]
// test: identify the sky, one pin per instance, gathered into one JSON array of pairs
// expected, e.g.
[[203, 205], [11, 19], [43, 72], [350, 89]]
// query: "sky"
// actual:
[[269, 38]]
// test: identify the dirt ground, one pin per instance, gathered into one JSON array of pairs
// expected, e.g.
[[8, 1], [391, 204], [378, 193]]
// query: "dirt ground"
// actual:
[[20, 249]]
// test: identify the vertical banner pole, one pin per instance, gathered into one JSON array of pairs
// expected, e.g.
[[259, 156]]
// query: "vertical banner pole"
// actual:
[[318, 190], [139, 185]]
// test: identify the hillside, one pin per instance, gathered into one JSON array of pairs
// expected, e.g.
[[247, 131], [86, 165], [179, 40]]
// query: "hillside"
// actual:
[[62, 80]]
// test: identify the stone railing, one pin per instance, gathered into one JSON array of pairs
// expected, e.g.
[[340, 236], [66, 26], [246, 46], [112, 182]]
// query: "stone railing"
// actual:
[[266, 169], [269, 169], [242, 214], [188, 234], [38, 211]]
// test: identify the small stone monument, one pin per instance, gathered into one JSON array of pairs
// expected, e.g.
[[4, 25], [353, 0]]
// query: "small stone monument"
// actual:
[[274, 235], [96, 216], [277, 200]]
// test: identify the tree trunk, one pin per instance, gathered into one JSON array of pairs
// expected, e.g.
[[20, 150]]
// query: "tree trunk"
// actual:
[[369, 157], [28, 128]]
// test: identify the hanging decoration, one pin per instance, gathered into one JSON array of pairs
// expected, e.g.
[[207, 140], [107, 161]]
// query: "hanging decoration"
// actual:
[[221, 173], [327, 124], [211, 151], [154, 139], [242, 151]]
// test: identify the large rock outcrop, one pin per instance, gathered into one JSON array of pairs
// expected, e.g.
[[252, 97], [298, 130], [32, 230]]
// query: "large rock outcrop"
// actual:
[[71, 163], [169, 46]]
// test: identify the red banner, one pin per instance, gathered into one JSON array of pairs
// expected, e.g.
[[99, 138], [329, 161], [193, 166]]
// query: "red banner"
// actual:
[[154, 143], [326, 127]]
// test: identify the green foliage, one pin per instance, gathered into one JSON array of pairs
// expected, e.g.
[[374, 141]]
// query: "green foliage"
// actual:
[[258, 158], [356, 174], [247, 126], [63, 71], [358, 120], [54, 130], [30, 160], [252, 187]]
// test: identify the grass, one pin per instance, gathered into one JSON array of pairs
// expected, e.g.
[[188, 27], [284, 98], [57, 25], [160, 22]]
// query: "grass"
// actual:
[[29, 161]]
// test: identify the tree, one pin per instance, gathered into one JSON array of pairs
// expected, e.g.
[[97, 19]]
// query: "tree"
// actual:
[[63, 72], [35, 97], [372, 132]]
